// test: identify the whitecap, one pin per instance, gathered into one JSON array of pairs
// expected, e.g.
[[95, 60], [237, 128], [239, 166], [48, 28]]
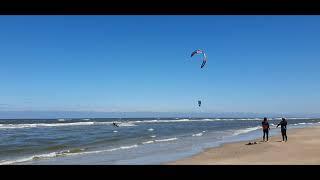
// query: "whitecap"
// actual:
[[164, 140], [198, 134], [246, 130], [147, 142]]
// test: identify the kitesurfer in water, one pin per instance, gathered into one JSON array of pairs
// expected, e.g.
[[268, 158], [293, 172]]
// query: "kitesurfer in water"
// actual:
[[115, 124], [204, 60]]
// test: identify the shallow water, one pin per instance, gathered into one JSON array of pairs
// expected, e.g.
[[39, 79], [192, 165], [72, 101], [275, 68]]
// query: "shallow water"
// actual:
[[135, 141]]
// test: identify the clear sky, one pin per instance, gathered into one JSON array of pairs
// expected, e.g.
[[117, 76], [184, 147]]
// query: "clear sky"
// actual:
[[142, 63]]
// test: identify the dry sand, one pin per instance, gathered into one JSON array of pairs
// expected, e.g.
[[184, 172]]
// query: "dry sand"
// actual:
[[302, 147]]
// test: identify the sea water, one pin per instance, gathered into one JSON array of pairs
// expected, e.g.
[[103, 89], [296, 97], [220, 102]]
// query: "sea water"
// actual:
[[135, 141]]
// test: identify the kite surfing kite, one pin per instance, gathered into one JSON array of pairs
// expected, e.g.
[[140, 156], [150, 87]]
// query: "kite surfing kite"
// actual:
[[204, 60], [199, 51]]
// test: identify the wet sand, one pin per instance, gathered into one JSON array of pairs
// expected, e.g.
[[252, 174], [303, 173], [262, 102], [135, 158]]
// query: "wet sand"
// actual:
[[302, 147]]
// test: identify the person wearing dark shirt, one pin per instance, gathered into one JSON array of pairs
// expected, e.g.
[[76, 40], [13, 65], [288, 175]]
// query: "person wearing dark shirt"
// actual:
[[283, 123], [115, 124], [265, 128]]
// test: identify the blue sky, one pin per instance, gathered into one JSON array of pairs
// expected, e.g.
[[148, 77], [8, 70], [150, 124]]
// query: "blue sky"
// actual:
[[142, 63]]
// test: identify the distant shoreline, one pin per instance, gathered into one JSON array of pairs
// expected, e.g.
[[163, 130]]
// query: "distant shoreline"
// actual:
[[303, 147]]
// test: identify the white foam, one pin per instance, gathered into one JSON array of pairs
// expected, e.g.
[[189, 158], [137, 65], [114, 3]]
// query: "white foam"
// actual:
[[245, 119], [49, 155], [86, 119], [164, 140], [106, 150], [198, 134], [300, 118], [129, 147], [153, 136], [62, 153], [168, 121], [126, 124], [150, 129], [18, 126], [114, 149], [61, 120], [70, 151], [41, 156], [246, 130], [303, 123], [115, 131], [102, 123], [147, 142], [176, 120], [16, 161]]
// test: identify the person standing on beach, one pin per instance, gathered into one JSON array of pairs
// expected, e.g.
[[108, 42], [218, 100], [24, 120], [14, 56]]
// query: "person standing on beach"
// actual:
[[265, 128], [283, 123]]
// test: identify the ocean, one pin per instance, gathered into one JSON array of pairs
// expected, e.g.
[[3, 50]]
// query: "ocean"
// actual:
[[135, 141]]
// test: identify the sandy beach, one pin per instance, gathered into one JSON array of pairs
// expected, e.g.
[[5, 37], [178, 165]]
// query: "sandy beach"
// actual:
[[303, 147]]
